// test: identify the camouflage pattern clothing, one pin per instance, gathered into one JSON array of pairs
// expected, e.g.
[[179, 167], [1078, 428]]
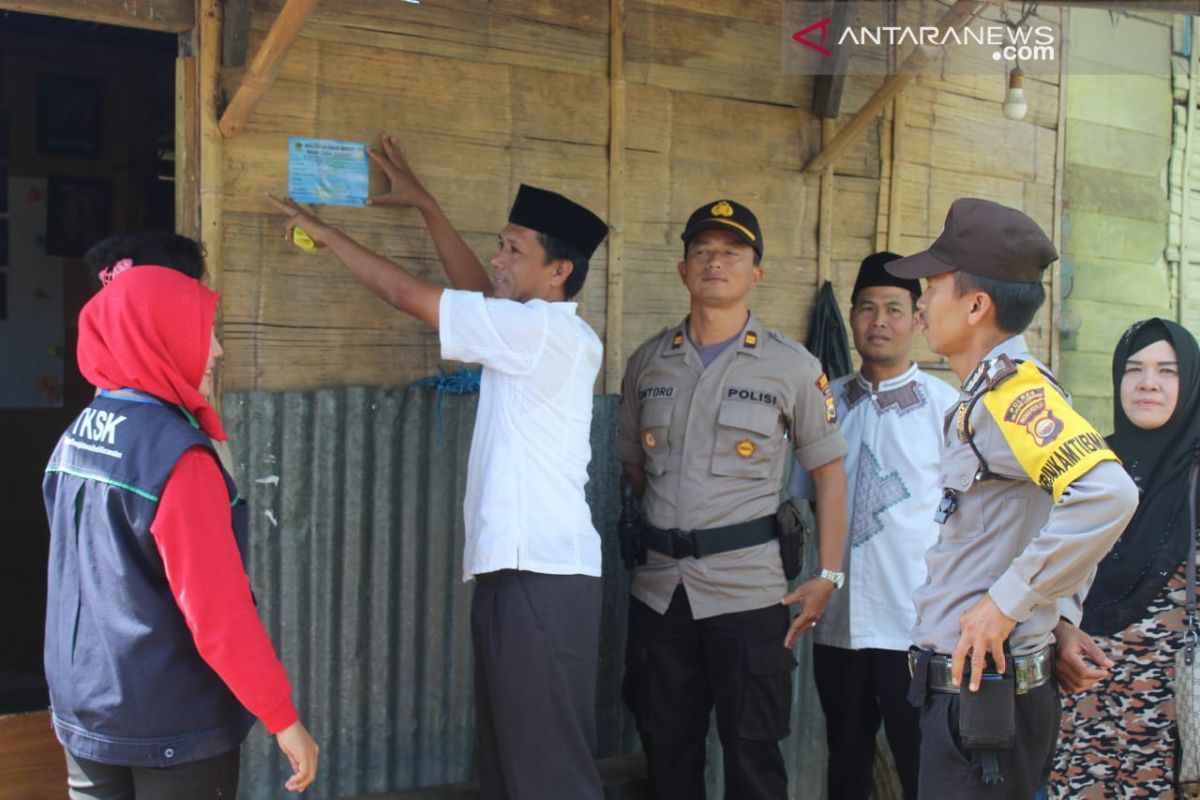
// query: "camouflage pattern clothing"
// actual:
[[1118, 740]]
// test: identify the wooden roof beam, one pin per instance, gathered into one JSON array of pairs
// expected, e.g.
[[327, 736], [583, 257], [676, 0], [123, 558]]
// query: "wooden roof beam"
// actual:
[[827, 90], [235, 32], [265, 65], [168, 16], [956, 16]]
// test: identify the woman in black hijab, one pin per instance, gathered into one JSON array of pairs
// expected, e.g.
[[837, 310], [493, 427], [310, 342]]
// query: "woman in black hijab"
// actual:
[[1121, 739]]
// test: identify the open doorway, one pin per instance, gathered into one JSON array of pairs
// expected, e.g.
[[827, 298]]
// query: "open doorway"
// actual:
[[87, 124]]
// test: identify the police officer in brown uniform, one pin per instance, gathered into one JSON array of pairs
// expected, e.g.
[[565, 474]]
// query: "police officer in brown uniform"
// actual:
[[1032, 499], [710, 410]]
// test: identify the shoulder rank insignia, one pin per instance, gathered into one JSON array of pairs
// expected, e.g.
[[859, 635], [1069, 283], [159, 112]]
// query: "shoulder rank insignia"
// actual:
[[990, 374], [677, 340], [722, 209], [751, 340]]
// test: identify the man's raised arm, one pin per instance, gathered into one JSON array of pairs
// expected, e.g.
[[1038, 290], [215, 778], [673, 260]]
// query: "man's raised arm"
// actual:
[[462, 266]]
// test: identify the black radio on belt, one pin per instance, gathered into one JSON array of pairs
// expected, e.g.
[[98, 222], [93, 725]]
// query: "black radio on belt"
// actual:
[[987, 718]]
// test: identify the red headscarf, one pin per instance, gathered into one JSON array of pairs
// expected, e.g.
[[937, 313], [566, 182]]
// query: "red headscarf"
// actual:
[[150, 329]]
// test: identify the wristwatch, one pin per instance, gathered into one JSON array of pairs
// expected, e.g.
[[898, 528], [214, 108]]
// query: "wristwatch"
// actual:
[[836, 578]]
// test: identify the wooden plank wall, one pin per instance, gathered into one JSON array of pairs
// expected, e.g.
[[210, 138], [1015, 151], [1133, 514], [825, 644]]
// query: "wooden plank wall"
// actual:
[[950, 140], [32, 764], [1118, 146], [482, 97], [485, 96]]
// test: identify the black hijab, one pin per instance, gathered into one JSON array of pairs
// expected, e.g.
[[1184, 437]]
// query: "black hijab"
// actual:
[[1155, 543]]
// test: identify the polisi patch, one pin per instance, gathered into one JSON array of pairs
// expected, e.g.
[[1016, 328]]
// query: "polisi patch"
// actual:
[[751, 395], [1060, 445], [1029, 410]]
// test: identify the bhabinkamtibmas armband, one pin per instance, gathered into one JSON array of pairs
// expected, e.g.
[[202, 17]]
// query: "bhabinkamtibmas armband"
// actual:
[[1051, 441]]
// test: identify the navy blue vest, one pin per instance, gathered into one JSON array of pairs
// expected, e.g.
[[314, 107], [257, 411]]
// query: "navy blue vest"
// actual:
[[127, 685]]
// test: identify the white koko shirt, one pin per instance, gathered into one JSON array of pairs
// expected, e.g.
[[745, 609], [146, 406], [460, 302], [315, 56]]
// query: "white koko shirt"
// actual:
[[895, 439], [525, 506]]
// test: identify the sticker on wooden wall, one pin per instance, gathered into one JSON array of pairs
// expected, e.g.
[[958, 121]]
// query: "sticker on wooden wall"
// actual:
[[328, 172]]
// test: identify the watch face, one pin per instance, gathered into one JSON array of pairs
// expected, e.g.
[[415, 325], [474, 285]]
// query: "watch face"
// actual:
[[837, 578]]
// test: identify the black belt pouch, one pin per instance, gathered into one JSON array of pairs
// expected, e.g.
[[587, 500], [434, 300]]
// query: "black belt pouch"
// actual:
[[789, 527], [987, 719]]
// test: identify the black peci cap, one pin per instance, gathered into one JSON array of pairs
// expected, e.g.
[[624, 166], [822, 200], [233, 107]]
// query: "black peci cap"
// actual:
[[872, 272], [554, 215], [725, 215], [983, 238]]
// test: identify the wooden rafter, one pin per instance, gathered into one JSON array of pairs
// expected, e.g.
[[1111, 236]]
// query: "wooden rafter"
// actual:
[[957, 16], [235, 32], [827, 89], [169, 16], [265, 64]]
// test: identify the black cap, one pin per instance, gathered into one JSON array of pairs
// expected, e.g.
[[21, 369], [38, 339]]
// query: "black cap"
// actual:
[[554, 215], [726, 215], [872, 273], [983, 238]]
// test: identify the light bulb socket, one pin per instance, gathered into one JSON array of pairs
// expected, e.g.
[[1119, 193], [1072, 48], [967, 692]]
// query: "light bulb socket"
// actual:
[[1016, 78]]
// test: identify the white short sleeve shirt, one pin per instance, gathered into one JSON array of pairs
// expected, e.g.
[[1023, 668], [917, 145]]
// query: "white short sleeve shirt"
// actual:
[[894, 432], [525, 506]]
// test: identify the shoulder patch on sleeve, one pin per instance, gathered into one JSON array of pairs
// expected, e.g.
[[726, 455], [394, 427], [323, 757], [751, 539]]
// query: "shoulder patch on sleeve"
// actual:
[[1051, 441]]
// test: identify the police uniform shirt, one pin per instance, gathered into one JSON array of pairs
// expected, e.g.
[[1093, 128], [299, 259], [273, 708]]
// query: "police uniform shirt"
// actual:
[[525, 506], [1031, 535], [894, 432], [712, 443]]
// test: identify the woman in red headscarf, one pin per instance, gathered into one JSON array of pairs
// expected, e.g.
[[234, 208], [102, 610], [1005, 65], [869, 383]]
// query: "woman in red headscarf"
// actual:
[[155, 656]]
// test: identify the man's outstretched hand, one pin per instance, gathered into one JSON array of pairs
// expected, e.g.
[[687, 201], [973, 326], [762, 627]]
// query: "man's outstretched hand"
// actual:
[[404, 188], [297, 217]]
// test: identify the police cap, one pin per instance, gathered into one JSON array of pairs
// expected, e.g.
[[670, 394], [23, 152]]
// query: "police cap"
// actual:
[[983, 238]]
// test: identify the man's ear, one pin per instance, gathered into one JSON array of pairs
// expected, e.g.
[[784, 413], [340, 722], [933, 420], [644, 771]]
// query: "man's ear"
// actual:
[[681, 268], [981, 308], [757, 276], [561, 270]]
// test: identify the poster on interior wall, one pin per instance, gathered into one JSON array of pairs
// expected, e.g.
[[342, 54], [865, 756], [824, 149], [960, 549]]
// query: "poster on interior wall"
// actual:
[[70, 116], [32, 334], [78, 214], [328, 172]]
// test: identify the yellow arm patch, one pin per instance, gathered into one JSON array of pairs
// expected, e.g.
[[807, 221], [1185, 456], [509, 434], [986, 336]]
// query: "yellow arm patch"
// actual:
[[1051, 441]]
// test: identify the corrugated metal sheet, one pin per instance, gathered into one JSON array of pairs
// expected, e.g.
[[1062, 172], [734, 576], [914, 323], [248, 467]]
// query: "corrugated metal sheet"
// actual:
[[356, 557]]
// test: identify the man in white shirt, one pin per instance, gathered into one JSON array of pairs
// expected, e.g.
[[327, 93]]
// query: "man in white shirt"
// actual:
[[531, 546], [891, 415]]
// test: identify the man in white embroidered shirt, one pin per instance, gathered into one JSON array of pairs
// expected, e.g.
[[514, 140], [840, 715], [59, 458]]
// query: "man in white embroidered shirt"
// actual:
[[531, 546], [891, 414]]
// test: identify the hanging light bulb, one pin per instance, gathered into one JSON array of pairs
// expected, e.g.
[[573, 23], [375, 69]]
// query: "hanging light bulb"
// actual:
[[1014, 102]]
